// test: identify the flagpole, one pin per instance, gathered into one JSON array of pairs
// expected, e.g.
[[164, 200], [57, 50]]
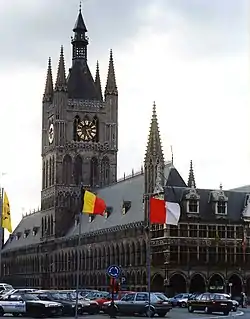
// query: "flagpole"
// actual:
[[78, 264], [1, 228], [148, 245]]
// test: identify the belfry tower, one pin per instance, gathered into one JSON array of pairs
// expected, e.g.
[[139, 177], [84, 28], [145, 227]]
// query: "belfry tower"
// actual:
[[79, 134]]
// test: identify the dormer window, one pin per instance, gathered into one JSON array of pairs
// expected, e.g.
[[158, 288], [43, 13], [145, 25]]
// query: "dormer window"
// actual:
[[221, 207], [91, 218], [219, 200], [18, 235], [193, 201], [126, 205], [108, 211], [34, 231], [26, 233]]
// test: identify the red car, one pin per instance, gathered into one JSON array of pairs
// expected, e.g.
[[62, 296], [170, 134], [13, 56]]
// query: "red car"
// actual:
[[107, 297]]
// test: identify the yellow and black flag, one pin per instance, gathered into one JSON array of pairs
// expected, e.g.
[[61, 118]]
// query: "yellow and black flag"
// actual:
[[6, 217]]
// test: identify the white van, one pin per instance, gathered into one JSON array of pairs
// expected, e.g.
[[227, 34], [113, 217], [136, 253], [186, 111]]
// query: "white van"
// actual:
[[4, 286]]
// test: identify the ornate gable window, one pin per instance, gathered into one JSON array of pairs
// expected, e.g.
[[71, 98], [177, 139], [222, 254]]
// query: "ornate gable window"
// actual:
[[193, 201], [108, 211], [246, 210], [219, 200], [26, 233]]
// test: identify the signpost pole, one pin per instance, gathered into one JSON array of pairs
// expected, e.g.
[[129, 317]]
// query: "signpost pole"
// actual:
[[113, 272], [78, 265]]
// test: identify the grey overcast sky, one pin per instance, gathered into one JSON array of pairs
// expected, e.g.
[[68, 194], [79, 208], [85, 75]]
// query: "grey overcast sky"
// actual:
[[191, 57]]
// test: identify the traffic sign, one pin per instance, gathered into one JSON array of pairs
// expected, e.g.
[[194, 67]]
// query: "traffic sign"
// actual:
[[114, 271], [123, 280]]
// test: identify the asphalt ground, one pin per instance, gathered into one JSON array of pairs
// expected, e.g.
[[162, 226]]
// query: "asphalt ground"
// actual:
[[179, 313]]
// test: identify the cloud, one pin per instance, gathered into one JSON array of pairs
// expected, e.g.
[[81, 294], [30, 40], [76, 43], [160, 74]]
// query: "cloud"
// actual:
[[191, 59]]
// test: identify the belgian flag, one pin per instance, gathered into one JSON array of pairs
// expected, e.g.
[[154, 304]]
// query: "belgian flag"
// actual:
[[91, 204]]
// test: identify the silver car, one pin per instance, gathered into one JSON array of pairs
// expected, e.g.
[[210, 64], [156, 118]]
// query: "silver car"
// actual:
[[138, 303]]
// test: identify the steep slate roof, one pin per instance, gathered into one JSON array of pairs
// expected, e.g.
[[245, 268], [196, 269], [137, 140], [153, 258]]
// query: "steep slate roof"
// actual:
[[129, 189], [235, 205], [245, 189], [27, 223]]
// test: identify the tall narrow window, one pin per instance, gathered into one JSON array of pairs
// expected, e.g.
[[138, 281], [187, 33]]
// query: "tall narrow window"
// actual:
[[53, 171], [75, 125], [67, 169], [94, 172], [96, 122], [43, 179], [46, 173], [105, 171], [50, 171], [78, 170]]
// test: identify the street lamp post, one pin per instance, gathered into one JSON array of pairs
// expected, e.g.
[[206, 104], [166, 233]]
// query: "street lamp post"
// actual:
[[230, 288]]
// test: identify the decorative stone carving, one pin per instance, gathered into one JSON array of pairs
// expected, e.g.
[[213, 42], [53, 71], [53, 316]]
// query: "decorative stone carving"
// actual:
[[85, 105]]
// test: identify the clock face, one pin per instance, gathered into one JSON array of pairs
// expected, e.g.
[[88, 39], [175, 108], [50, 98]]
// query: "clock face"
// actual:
[[86, 130], [51, 133]]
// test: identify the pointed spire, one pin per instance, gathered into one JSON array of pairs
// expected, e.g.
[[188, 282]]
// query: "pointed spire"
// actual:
[[61, 84], [111, 88], [191, 179], [98, 82], [48, 92], [154, 148], [80, 25]]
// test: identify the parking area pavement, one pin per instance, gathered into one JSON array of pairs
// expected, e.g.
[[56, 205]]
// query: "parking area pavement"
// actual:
[[179, 313]]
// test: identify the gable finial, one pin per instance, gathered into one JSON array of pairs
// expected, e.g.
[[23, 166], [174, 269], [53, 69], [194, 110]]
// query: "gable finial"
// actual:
[[172, 155], [221, 186], [80, 6]]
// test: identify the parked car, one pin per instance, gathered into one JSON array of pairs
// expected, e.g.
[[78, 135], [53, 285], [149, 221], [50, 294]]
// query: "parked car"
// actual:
[[235, 302], [69, 306], [137, 303], [180, 300], [211, 302], [29, 305]]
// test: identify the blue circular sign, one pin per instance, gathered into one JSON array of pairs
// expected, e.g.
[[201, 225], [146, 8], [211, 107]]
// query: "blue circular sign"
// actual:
[[114, 271]]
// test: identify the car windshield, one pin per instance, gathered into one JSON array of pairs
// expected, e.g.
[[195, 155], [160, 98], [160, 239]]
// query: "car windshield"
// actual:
[[219, 297], [60, 296], [29, 297], [161, 297]]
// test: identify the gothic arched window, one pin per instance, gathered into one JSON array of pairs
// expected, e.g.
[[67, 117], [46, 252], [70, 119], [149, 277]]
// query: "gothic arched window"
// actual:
[[78, 169], [75, 124], [43, 179], [50, 171], [96, 122], [46, 174], [53, 171], [94, 172], [105, 171], [67, 170]]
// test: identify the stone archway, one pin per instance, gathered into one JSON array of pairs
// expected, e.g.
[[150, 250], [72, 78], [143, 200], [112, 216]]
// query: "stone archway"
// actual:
[[216, 283], [177, 283], [197, 283], [236, 285], [157, 283]]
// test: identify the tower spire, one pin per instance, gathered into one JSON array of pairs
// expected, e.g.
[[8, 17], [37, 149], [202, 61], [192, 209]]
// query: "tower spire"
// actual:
[[61, 84], [48, 92], [79, 40], [98, 82], [111, 87], [154, 148], [191, 178]]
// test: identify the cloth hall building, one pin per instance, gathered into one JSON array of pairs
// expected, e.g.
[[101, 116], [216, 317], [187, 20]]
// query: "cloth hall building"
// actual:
[[207, 251]]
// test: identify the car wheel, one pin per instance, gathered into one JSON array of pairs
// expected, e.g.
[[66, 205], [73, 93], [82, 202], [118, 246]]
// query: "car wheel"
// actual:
[[183, 304], [161, 314], [226, 313], [234, 309], [150, 313], [190, 309]]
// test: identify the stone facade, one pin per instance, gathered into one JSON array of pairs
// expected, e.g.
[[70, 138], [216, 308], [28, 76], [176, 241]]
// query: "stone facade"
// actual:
[[207, 250]]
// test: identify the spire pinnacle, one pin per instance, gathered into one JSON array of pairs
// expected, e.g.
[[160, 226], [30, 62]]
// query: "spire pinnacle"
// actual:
[[48, 92], [111, 87], [191, 179], [154, 148], [61, 84], [98, 82]]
